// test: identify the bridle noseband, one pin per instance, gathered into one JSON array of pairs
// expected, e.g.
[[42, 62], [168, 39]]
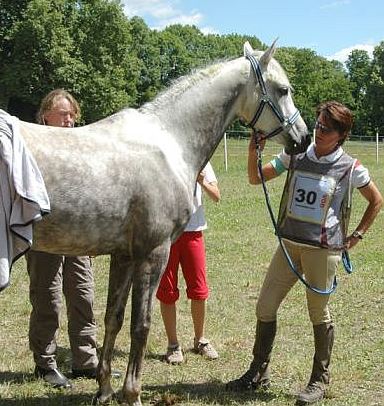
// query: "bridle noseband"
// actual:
[[285, 122]]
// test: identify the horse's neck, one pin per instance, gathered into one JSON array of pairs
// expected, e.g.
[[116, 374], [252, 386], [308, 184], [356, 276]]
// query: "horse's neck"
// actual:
[[198, 109]]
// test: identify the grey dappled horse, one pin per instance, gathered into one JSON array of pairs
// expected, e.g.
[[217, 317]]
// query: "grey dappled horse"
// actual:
[[124, 185]]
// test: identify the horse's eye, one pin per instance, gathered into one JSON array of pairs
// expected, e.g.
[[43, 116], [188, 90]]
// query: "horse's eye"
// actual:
[[284, 91]]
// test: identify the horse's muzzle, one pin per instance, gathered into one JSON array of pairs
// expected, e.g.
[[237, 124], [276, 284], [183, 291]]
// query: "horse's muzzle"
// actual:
[[294, 148]]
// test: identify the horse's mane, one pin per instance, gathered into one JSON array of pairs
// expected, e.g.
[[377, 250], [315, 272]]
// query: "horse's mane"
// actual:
[[180, 85]]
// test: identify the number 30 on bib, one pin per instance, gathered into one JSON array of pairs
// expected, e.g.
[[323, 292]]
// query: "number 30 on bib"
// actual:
[[310, 196]]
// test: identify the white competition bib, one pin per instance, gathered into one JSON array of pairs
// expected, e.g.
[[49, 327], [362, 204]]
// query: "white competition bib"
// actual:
[[309, 196]]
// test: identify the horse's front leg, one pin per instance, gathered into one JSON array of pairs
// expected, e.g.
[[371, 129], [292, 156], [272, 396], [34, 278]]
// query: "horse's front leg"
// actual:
[[145, 282], [120, 281]]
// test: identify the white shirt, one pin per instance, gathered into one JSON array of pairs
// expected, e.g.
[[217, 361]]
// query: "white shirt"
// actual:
[[360, 174], [197, 222]]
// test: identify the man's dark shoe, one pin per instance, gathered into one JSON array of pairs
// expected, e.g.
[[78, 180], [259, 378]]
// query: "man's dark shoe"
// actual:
[[247, 382], [91, 373], [53, 377]]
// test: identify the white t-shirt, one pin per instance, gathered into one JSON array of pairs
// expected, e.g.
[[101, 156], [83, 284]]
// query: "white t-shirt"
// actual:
[[197, 222]]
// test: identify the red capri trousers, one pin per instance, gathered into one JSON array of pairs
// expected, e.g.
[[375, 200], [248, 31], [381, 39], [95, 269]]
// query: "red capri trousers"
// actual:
[[189, 252]]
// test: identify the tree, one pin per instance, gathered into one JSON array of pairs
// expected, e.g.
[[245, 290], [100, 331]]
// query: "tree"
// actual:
[[109, 61], [180, 51], [314, 80], [375, 91], [359, 70], [147, 54], [359, 73], [81, 45], [40, 44], [107, 75], [10, 12]]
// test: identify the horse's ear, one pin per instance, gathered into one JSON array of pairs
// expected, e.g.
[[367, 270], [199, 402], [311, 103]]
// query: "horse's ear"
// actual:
[[268, 54], [248, 50]]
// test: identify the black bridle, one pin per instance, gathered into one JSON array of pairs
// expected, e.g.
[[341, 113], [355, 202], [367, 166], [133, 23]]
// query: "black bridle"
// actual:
[[286, 123]]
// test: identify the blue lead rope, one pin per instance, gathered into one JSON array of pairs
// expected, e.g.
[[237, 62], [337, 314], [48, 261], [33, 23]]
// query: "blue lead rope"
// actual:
[[345, 256], [347, 262]]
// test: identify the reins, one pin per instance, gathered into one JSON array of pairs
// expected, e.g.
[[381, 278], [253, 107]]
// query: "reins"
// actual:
[[281, 242]]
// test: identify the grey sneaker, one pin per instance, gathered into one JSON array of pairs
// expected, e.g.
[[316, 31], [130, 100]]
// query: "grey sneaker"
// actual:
[[205, 348], [174, 355]]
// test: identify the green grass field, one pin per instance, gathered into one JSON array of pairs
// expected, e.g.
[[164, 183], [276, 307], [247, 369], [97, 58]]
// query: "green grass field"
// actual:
[[240, 242]]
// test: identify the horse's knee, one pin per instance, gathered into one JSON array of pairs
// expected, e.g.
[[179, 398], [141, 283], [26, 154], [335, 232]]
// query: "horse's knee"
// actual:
[[114, 320], [139, 332], [120, 318]]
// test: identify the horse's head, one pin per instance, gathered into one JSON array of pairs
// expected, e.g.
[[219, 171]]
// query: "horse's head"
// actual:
[[271, 109]]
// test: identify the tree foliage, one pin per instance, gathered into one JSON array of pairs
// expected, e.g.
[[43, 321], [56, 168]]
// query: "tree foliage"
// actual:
[[314, 79], [375, 91], [109, 61], [75, 44], [359, 73]]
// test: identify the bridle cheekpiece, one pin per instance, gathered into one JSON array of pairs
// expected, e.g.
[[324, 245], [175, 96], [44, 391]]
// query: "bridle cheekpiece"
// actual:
[[286, 123]]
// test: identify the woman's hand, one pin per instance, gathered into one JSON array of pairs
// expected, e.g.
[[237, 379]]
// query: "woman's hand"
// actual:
[[252, 147], [351, 242], [200, 177]]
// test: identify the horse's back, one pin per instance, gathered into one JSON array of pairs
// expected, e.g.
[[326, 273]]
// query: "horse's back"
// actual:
[[107, 181]]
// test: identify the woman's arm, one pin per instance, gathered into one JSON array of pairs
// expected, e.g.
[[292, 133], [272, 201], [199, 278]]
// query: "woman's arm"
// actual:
[[211, 188], [375, 201], [269, 172]]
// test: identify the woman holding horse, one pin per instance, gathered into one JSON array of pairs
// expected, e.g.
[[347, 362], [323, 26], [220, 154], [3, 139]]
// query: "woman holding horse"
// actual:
[[313, 221]]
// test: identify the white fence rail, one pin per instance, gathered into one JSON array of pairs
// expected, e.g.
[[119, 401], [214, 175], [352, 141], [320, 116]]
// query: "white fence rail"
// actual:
[[371, 146]]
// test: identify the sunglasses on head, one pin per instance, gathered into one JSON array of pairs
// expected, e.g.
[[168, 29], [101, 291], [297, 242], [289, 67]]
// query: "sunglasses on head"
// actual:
[[322, 128]]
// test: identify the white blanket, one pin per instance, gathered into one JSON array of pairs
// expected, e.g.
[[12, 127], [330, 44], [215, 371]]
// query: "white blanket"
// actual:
[[23, 197]]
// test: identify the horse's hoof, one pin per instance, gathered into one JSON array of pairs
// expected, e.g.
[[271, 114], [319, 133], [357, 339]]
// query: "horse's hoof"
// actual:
[[129, 402], [103, 399], [135, 403]]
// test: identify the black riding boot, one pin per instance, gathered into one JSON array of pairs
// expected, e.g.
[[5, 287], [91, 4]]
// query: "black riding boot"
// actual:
[[315, 390], [257, 375]]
